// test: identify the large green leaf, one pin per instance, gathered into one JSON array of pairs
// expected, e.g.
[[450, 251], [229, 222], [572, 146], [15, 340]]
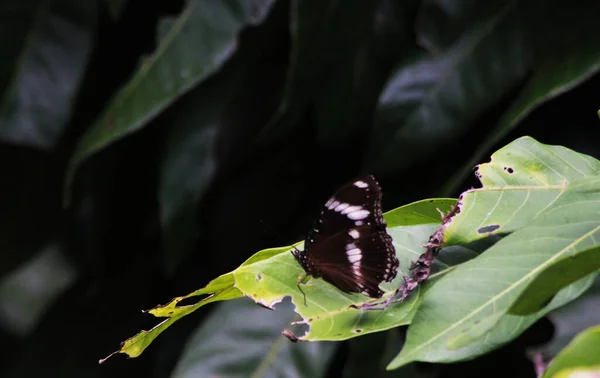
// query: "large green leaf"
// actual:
[[464, 314], [432, 100], [521, 181], [199, 42], [550, 281], [582, 354], [569, 58], [272, 274], [45, 47], [262, 352]]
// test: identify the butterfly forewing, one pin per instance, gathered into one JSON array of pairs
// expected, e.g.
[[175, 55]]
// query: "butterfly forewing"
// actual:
[[354, 204]]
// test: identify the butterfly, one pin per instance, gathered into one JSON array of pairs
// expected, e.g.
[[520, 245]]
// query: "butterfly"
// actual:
[[348, 245]]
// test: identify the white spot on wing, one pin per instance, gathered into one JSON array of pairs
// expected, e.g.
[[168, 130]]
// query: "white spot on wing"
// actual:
[[332, 204], [354, 233], [361, 184], [360, 214], [353, 252], [341, 207], [354, 258], [351, 209]]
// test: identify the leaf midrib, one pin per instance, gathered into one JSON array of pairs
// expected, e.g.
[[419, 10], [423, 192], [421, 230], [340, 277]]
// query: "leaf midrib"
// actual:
[[504, 292]]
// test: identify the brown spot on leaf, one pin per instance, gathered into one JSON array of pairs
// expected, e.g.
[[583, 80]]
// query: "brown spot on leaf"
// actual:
[[488, 229]]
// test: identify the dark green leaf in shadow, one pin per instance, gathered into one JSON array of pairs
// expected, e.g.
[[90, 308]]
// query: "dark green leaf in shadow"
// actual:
[[552, 280], [569, 58], [199, 42], [188, 163], [432, 100], [323, 47], [580, 354], [26, 293], [241, 339], [45, 47]]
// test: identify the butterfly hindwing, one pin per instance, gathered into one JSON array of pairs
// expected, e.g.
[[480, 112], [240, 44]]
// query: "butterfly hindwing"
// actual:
[[356, 260]]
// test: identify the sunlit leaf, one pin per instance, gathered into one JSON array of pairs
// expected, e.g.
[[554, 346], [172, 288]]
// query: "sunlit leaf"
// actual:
[[464, 314], [272, 274]]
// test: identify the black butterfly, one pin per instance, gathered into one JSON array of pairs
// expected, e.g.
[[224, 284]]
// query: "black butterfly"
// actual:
[[348, 245]]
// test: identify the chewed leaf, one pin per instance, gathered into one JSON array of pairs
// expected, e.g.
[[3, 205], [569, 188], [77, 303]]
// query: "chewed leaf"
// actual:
[[272, 274], [521, 181], [466, 313], [220, 289]]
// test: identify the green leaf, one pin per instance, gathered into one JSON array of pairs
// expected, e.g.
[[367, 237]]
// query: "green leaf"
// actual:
[[45, 46], [570, 58], [550, 281], [263, 352], [219, 289], [432, 100], [272, 274], [521, 181], [580, 354], [464, 314], [201, 40]]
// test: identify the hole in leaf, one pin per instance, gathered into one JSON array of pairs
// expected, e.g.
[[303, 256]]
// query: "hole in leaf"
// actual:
[[258, 277], [357, 330], [192, 300], [488, 229], [509, 170]]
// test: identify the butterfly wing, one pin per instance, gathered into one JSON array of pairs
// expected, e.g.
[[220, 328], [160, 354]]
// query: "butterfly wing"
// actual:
[[355, 204], [356, 260]]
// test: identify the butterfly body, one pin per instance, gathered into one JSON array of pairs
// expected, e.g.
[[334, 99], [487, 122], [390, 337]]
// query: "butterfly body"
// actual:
[[348, 245]]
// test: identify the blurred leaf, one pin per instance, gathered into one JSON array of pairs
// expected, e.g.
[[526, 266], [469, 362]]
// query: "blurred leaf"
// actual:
[[26, 293], [569, 320], [431, 100], [579, 372], [321, 47], [474, 298], [45, 47], [521, 181], [255, 347], [551, 280], [581, 354], [201, 40], [272, 274], [115, 8], [569, 59], [188, 164]]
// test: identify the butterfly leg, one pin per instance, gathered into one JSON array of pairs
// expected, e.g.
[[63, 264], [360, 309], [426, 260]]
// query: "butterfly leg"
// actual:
[[302, 281]]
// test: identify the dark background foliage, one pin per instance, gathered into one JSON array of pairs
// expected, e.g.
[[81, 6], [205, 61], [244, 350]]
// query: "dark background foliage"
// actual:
[[114, 201]]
